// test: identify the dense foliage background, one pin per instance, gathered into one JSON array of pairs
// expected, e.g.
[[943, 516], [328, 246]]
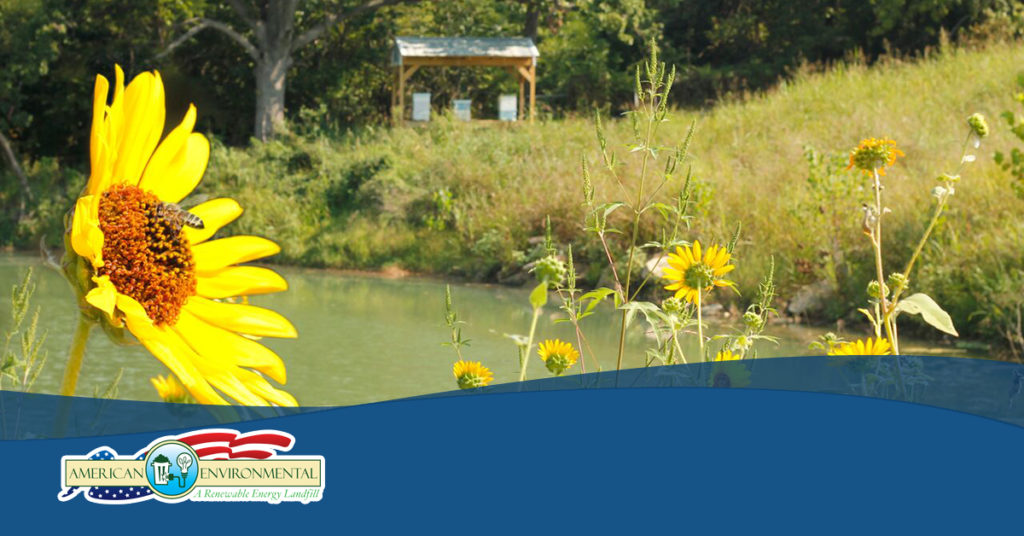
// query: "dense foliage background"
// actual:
[[338, 188], [50, 51]]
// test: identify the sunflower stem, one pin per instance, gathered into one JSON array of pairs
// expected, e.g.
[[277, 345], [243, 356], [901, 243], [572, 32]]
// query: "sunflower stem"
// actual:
[[75, 355], [529, 345], [700, 329]]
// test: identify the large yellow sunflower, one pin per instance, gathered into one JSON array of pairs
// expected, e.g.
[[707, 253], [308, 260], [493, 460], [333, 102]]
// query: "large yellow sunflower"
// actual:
[[134, 257], [693, 272]]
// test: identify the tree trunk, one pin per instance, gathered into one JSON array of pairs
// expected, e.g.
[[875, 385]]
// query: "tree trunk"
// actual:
[[532, 21], [12, 162], [271, 77], [274, 39]]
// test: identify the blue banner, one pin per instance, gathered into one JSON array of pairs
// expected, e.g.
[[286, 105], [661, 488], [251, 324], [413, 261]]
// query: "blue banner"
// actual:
[[806, 445]]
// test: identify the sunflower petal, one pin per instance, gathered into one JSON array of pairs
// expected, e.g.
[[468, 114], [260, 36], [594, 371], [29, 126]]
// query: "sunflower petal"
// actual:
[[241, 318], [103, 296], [98, 150], [239, 281], [215, 213], [86, 236], [219, 254], [170, 349], [233, 387], [115, 120], [262, 388], [144, 104], [178, 163], [177, 178], [724, 270], [228, 347]]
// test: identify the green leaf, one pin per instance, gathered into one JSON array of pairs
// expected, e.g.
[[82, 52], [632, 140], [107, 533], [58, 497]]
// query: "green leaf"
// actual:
[[608, 208], [539, 296], [596, 297], [871, 317], [641, 306], [664, 210], [922, 304]]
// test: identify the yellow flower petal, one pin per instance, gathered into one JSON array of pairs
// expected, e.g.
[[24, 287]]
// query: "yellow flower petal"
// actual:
[[219, 254], [227, 348], [261, 387], [178, 177], [241, 318], [144, 123], [168, 347], [98, 151], [215, 213], [230, 385], [724, 270], [103, 296], [178, 163], [86, 237], [239, 281]]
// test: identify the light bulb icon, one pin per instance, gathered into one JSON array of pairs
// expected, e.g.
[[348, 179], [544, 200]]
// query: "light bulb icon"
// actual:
[[184, 461]]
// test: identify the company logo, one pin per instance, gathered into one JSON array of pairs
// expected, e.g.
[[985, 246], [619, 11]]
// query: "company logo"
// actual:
[[205, 465]]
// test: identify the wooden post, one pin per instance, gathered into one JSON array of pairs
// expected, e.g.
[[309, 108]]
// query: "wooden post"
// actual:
[[521, 111], [533, 90], [401, 95], [395, 113]]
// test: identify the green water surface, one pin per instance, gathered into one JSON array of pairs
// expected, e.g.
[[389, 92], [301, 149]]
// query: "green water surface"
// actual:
[[363, 338]]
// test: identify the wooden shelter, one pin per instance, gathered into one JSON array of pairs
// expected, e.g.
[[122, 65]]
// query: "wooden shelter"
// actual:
[[518, 55]]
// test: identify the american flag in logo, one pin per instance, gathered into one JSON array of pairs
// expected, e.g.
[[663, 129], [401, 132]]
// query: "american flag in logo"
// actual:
[[209, 444]]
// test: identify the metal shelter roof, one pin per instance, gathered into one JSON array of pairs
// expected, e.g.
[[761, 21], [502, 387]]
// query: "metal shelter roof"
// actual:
[[463, 47]]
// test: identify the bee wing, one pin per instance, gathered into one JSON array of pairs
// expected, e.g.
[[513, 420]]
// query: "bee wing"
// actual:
[[194, 200]]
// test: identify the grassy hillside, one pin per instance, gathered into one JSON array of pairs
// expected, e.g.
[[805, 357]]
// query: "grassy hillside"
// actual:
[[465, 199]]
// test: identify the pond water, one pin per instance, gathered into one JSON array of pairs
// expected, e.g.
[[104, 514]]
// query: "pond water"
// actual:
[[363, 338]]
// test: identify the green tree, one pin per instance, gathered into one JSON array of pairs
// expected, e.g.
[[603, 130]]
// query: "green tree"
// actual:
[[29, 42], [271, 32]]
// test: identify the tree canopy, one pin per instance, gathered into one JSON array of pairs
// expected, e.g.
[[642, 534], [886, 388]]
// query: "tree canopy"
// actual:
[[337, 69]]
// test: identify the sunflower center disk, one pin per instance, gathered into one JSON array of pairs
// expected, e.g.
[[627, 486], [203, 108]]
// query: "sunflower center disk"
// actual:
[[145, 253]]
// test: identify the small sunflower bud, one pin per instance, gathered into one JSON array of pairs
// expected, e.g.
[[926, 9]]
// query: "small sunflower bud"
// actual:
[[471, 381], [978, 125], [557, 355], [557, 364], [471, 374], [897, 282], [753, 320], [550, 269], [876, 291], [672, 305]]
